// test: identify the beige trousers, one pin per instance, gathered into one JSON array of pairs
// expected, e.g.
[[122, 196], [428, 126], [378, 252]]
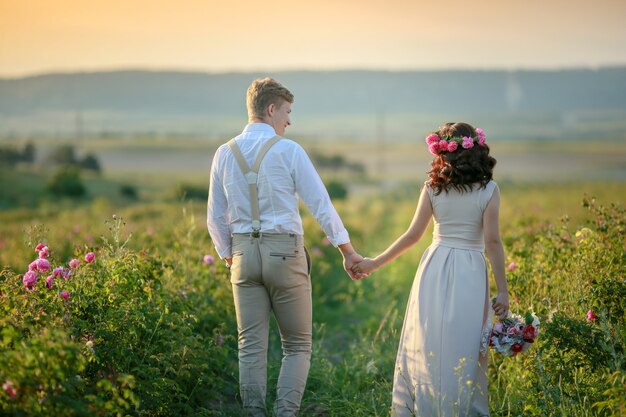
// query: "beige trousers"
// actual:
[[271, 273]]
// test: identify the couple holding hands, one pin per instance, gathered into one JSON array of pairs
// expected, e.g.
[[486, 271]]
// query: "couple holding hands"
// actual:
[[256, 181]]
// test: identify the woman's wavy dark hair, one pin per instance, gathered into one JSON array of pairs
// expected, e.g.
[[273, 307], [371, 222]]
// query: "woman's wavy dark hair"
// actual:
[[462, 168]]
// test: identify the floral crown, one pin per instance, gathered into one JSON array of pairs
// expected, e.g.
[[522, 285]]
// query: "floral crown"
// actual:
[[440, 144]]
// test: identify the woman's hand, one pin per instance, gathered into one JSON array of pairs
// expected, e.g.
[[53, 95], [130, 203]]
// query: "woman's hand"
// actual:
[[501, 305], [365, 267]]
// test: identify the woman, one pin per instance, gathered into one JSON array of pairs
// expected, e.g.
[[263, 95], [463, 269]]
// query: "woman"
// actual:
[[440, 370]]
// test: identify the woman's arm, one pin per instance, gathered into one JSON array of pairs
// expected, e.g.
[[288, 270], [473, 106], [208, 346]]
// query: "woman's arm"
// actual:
[[495, 252], [418, 225]]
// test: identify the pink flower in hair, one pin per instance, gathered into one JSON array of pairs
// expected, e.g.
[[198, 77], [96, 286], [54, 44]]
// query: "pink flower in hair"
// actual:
[[443, 145], [480, 133], [452, 145], [432, 138], [468, 142], [481, 141], [434, 148]]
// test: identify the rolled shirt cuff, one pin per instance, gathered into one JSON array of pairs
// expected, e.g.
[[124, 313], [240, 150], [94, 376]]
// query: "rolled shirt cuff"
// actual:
[[224, 253], [340, 238]]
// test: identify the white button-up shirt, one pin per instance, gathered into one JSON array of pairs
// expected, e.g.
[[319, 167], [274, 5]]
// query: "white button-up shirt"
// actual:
[[285, 173]]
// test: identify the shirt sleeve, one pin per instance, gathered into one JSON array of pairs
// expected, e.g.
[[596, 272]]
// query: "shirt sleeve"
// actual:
[[312, 191], [217, 210]]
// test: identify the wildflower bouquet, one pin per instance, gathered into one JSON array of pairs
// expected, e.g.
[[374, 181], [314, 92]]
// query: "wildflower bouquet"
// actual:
[[514, 334]]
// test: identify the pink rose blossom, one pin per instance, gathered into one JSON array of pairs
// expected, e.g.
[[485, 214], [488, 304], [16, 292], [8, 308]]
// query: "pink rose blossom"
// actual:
[[39, 247], [591, 316], [480, 133], [74, 263], [30, 278], [443, 145], [49, 281], [58, 271], [44, 252], [432, 138], [33, 265], [468, 143], [434, 148], [511, 331], [452, 146], [90, 257], [67, 273], [65, 295], [43, 265], [512, 266], [208, 259], [481, 141], [9, 389]]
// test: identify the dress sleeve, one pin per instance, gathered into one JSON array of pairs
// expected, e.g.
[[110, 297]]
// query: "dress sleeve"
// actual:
[[487, 193]]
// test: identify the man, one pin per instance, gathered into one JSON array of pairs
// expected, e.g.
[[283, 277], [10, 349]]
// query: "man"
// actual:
[[255, 225]]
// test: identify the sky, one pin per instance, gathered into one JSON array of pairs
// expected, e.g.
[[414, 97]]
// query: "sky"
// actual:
[[39, 36]]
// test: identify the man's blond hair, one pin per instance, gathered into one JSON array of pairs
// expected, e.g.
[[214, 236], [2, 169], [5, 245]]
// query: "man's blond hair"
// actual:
[[263, 92]]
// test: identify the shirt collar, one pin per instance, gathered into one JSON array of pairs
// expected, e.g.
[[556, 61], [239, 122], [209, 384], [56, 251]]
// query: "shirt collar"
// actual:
[[259, 127]]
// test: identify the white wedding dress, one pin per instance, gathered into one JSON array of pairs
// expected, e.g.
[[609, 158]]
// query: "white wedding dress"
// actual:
[[440, 371]]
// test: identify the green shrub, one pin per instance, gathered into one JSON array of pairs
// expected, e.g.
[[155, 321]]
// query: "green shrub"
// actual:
[[66, 182]]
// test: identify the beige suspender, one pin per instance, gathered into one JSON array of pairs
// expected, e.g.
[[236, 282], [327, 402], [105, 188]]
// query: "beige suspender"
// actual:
[[252, 176]]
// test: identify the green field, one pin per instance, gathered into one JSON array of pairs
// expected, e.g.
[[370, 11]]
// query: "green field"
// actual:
[[149, 328]]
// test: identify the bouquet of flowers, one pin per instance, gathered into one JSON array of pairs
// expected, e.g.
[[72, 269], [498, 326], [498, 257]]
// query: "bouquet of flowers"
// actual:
[[514, 334]]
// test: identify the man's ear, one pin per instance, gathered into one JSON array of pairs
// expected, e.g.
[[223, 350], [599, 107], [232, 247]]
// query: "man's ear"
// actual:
[[271, 109]]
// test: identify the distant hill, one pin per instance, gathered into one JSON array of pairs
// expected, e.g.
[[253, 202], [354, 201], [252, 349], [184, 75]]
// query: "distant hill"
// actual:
[[359, 104]]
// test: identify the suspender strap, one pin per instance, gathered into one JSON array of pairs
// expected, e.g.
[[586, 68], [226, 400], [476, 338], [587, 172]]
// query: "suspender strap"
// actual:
[[252, 176]]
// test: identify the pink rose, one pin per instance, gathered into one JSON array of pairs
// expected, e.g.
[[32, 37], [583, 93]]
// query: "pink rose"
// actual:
[[33, 265], [43, 265], [90, 257], [39, 247], [480, 133], [434, 148], [9, 389], [481, 141], [65, 295], [452, 146], [512, 266], [49, 281], [511, 331], [58, 271], [30, 278], [468, 143], [44, 253], [208, 259], [74, 263], [443, 145], [67, 273], [432, 138], [591, 316]]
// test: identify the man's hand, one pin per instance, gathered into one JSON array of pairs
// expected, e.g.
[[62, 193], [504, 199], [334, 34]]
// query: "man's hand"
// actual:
[[348, 264], [351, 258]]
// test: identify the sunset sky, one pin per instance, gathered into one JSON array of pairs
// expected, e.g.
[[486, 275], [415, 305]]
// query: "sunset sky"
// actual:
[[38, 36]]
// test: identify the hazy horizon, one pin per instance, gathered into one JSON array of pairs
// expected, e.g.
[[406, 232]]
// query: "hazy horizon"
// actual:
[[220, 36]]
